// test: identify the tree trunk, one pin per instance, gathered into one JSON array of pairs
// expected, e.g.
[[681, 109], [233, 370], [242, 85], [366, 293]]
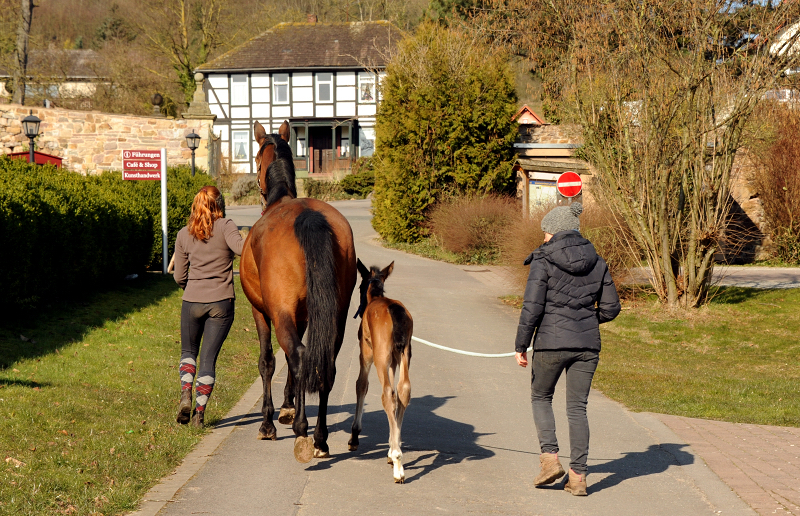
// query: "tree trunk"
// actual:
[[21, 53]]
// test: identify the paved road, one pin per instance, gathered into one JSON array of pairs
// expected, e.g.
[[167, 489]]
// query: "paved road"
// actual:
[[468, 438]]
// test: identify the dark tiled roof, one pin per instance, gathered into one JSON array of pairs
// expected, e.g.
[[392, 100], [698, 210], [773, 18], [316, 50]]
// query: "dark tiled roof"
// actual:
[[63, 64], [312, 45]]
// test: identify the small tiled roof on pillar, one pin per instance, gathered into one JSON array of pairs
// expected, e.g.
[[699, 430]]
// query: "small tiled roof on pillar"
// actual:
[[308, 46], [525, 115]]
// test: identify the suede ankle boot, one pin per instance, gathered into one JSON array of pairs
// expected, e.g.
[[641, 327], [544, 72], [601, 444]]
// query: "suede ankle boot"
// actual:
[[576, 484], [185, 407], [551, 469]]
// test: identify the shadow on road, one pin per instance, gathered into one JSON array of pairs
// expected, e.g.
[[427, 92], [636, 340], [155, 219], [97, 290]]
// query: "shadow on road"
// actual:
[[656, 459], [439, 441]]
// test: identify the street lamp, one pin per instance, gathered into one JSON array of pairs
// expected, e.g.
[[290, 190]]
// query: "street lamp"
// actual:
[[30, 126], [193, 142]]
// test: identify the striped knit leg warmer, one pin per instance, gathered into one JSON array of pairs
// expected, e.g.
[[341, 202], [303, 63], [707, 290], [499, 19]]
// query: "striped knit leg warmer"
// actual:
[[187, 370], [205, 384]]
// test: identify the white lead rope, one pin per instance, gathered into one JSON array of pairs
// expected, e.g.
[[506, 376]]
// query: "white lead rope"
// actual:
[[468, 353]]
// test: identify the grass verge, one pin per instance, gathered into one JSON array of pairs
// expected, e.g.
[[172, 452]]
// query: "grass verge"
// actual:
[[430, 248], [88, 401], [737, 359]]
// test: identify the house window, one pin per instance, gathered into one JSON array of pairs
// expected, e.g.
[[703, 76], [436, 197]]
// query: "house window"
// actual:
[[239, 96], [324, 87], [240, 145], [280, 83], [301, 142], [366, 87]]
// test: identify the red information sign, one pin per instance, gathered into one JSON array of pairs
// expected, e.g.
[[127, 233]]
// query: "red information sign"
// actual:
[[569, 184], [141, 165]]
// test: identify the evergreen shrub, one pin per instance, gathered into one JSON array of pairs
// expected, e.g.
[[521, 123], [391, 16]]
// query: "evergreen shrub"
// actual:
[[64, 232], [443, 127]]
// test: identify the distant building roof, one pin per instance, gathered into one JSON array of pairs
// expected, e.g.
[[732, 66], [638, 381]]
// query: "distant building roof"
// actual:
[[63, 64], [293, 46], [525, 115]]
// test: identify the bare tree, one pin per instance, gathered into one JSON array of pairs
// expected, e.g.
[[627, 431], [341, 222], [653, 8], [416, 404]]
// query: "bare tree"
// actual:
[[21, 51], [663, 94]]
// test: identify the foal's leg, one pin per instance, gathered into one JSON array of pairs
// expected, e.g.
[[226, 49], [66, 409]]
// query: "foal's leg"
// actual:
[[385, 370], [362, 385], [403, 399], [266, 366]]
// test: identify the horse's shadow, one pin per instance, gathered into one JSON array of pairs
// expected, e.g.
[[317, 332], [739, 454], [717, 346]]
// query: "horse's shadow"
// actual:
[[656, 459], [443, 440]]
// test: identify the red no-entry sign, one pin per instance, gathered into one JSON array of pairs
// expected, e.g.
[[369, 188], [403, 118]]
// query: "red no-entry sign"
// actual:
[[569, 184]]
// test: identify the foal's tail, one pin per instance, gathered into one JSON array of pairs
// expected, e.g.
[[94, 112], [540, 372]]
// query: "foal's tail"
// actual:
[[402, 327], [318, 370]]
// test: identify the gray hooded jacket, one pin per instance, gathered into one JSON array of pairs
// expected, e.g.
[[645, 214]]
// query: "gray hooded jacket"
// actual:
[[568, 295]]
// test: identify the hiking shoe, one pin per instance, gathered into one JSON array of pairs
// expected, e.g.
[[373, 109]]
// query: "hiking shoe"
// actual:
[[576, 484], [197, 419], [185, 408], [551, 469]]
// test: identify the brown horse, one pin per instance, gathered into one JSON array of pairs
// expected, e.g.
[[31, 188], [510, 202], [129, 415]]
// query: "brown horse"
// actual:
[[298, 270], [385, 339]]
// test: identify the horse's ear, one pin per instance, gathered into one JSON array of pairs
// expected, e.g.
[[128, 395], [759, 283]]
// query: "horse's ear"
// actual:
[[260, 133], [387, 271], [283, 131], [362, 269]]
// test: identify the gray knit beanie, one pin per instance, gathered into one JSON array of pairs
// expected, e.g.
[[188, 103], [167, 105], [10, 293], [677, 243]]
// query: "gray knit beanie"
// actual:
[[562, 218]]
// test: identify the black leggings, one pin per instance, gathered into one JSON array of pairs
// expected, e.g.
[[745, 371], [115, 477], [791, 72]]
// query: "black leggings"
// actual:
[[214, 320]]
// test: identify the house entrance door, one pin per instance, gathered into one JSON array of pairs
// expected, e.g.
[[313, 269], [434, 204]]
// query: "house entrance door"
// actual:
[[321, 150]]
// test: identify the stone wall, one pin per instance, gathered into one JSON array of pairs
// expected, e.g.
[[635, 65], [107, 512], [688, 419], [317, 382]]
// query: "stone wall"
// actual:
[[91, 142]]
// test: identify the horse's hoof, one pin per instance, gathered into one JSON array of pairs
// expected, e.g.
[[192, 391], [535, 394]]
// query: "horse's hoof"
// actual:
[[304, 449], [352, 447], [319, 454], [286, 417], [267, 437]]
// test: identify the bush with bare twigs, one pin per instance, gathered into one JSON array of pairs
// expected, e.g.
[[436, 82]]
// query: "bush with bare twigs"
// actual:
[[777, 181], [472, 226], [610, 236]]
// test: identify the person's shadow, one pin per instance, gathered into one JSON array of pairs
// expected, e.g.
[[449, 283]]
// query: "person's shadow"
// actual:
[[656, 459], [443, 440]]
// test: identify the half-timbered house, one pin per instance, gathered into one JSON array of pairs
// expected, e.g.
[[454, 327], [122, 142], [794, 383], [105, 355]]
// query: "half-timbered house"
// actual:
[[321, 77]]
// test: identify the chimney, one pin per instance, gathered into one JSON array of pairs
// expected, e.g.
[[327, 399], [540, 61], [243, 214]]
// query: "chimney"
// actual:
[[311, 18]]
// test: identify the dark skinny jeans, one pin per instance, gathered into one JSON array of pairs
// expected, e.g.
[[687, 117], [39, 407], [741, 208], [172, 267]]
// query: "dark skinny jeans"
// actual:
[[212, 320], [547, 367]]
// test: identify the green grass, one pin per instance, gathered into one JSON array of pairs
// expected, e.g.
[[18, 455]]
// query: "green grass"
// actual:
[[737, 359], [429, 248], [87, 405]]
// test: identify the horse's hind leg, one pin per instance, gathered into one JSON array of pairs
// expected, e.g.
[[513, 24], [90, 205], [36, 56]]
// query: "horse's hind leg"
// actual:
[[266, 366], [287, 335], [403, 398], [286, 416], [321, 449], [362, 385]]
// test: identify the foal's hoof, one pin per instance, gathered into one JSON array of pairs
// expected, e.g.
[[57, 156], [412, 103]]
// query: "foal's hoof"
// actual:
[[319, 454], [401, 480], [286, 417], [389, 461], [304, 449]]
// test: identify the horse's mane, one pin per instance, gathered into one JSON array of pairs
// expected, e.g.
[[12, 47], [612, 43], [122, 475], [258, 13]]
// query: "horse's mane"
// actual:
[[280, 173]]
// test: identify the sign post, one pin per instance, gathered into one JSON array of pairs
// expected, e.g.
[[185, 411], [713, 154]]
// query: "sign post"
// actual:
[[569, 184], [150, 165]]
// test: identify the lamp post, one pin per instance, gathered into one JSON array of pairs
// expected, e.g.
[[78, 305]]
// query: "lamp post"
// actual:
[[30, 126], [193, 142]]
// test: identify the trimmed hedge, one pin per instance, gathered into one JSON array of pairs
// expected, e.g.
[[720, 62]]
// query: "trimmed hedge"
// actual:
[[65, 233]]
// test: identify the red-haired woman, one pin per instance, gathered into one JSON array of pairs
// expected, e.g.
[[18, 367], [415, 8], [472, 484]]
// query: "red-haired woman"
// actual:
[[204, 252]]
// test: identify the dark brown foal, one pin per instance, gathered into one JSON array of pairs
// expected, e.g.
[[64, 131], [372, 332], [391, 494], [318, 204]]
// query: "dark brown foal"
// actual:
[[385, 339]]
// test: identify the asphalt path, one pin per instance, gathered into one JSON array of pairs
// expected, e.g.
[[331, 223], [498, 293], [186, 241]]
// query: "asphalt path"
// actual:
[[469, 442]]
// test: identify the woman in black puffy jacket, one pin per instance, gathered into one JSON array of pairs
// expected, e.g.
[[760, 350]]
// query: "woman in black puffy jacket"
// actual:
[[568, 295]]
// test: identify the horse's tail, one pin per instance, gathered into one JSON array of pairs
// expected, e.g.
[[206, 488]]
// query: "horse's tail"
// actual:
[[318, 369], [402, 327]]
